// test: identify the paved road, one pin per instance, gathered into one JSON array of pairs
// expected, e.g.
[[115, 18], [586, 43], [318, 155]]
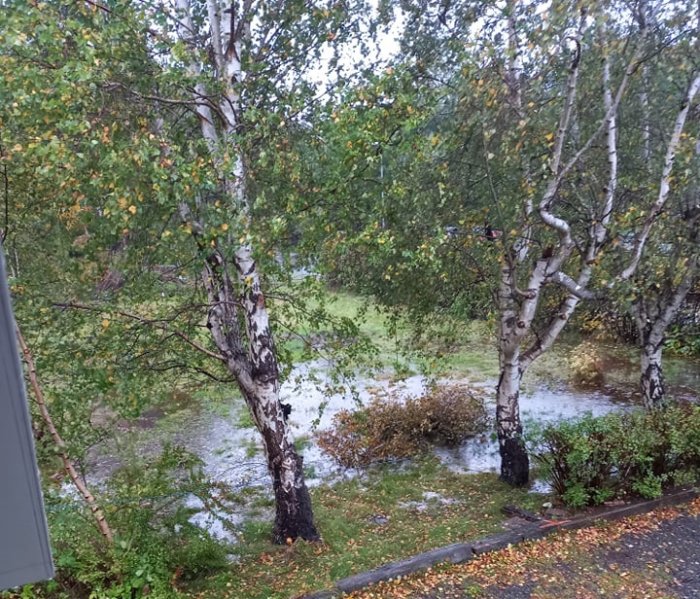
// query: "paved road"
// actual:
[[662, 564]]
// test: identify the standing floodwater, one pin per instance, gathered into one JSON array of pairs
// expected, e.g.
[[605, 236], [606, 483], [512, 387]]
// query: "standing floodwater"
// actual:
[[224, 438]]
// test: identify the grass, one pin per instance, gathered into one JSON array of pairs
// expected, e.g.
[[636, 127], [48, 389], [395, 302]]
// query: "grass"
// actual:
[[600, 561], [302, 442], [397, 349], [366, 522], [251, 449], [373, 324], [245, 420], [370, 520], [451, 347]]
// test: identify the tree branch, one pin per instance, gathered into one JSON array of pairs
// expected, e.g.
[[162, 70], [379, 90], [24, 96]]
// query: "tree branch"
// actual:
[[60, 444], [158, 324], [665, 185], [571, 286]]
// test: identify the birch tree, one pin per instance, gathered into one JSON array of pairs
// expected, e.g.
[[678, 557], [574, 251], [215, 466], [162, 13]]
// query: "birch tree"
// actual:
[[224, 47], [655, 309], [580, 241], [557, 230], [243, 64], [668, 270], [541, 89], [180, 177], [238, 317]]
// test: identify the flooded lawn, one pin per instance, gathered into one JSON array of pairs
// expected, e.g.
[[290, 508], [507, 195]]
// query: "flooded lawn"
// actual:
[[228, 444]]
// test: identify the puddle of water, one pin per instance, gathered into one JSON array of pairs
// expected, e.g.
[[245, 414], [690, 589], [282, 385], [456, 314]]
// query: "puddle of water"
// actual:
[[431, 500], [232, 454], [621, 372], [542, 406]]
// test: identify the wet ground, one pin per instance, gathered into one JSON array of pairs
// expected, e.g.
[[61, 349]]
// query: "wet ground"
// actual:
[[225, 440], [229, 447]]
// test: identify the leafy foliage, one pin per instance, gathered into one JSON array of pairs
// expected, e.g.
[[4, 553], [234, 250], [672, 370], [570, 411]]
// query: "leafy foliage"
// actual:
[[683, 339], [389, 428], [586, 364], [156, 546], [635, 454]]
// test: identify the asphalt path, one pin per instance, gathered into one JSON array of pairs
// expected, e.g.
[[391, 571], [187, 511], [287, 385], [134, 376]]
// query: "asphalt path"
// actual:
[[663, 563]]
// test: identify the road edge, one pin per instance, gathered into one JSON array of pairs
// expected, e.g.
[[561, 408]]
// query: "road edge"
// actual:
[[458, 553]]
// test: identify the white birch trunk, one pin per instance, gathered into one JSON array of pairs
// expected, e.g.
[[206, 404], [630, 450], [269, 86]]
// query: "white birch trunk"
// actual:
[[646, 119], [515, 464], [652, 378], [250, 353], [665, 183], [293, 503], [653, 317]]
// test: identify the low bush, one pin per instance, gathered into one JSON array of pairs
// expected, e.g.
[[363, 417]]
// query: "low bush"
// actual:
[[156, 550], [389, 428], [635, 454], [586, 364]]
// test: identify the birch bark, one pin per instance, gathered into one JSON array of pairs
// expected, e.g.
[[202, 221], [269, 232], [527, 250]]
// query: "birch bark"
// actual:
[[518, 309], [654, 314], [238, 316]]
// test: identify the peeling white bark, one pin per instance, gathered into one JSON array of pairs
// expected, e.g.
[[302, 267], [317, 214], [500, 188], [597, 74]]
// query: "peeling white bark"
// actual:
[[652, 379], [665, 183], [249, 353], [601, 227], [646, 119], [518, 309], [654, 314]]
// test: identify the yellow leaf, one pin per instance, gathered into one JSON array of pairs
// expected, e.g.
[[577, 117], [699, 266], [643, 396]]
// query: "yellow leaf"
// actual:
[[132, 209], [105, 323]]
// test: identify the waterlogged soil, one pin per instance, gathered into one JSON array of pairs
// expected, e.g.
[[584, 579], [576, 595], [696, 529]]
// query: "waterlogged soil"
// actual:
[[231, 452], [620, 376]]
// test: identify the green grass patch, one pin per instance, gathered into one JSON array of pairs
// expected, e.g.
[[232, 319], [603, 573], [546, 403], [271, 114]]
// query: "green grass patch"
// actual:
[[302, 442], [448, 346], [366, 522]]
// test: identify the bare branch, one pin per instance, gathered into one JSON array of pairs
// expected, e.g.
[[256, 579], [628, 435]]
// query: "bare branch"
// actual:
[[551, 332], [665, 185], [572, 286], [571, 85], [187, 35], [214, 12], [600, 228], [68, 464], [155, 323]]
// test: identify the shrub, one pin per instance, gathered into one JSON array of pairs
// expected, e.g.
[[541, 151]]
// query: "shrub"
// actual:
[[636, 454], [586, 364], [156, 546], [389, 428]]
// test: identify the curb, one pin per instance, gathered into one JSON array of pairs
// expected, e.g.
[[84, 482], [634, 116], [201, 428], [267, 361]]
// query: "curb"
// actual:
[[458, 553]]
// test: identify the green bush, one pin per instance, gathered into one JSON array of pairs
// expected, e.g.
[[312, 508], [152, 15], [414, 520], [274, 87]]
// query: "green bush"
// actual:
[[635, 454], [586, 364], [683, 339], [389, 428], [156, 547]]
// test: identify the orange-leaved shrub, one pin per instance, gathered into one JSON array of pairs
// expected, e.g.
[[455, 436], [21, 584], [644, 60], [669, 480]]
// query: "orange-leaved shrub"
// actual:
[[391, 428], [587, 364]]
